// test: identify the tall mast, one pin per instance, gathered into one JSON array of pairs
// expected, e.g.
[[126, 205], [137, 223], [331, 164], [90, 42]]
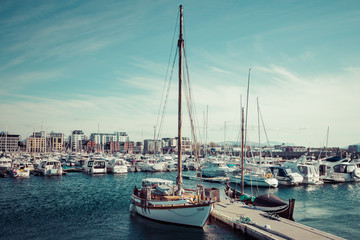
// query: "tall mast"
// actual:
[[242, 151], [258, 112], [180, 45]]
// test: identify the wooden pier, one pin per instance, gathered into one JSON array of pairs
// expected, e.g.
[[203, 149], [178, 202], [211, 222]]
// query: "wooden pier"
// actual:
[[260, 225]]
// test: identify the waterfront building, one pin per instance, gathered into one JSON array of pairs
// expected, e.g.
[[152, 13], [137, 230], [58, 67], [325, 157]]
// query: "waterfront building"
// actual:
[[186, 144], [138, 147], [110, 141], [36, 143], [152, 146], [126, 147], [56, 142], [77, 138], [285, 148], [120, 137], [9, 142], [90, 146]]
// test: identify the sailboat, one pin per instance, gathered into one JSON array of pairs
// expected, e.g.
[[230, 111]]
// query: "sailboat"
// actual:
[[159, 199], [268, 203]]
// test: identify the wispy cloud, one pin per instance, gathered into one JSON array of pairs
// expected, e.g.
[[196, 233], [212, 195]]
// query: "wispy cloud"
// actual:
[[12, 63], [24, 79]]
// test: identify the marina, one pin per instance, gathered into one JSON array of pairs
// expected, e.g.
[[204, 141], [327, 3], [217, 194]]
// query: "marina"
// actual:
[[186, 186], [71, 205]]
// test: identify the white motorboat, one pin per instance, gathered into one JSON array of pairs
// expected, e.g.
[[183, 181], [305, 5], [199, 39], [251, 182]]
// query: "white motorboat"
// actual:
[[152, 165], [171, 166], [183, 207], [309, 171], [20, 170], [51, 167], [117, 165], [336, 169], [216, 168], [95, 166], [286, 176]]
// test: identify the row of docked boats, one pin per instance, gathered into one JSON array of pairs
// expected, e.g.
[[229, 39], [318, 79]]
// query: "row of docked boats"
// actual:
[[304, 170]]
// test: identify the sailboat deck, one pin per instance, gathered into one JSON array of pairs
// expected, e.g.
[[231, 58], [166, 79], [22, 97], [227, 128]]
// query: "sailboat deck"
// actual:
[[259, 225]]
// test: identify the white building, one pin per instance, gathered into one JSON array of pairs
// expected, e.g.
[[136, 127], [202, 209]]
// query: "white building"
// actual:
[[77, 138]]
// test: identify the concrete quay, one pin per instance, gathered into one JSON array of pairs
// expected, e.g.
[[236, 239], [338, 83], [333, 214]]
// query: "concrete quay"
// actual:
[[260, 225]]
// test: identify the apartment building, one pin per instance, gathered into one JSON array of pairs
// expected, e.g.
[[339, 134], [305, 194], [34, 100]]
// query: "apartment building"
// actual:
[[36, 143], [9, 142]]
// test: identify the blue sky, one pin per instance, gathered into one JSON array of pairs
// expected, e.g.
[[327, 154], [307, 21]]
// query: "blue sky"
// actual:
[[68, 65]]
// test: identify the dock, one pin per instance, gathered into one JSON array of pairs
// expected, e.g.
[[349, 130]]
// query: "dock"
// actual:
[[260, 225]]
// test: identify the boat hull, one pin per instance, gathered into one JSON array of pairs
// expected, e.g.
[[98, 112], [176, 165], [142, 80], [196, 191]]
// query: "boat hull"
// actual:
[[182, 214], [270, 203], [255, 181]]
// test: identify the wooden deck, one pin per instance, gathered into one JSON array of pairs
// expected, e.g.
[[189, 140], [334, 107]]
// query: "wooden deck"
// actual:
[[259, 225]]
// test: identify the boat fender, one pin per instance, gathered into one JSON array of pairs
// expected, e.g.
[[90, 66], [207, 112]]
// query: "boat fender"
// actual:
[[356, 172], [268, 175], [132, 208]]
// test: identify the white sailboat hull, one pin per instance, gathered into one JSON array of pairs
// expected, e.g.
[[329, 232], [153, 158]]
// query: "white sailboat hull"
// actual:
[[254, 180], [189, 215]]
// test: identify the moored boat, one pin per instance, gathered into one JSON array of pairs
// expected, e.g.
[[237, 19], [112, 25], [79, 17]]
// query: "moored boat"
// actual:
[[51, 167], [180, 206], [117, 165], [95, 166], [286, 176], [20, 170], [337, 170]]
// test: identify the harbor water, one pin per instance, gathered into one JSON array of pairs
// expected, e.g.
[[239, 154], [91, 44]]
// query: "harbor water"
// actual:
[[80, 206]]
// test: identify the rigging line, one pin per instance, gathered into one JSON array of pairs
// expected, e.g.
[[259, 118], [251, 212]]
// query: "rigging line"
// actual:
[[193, 109], [191, 102], [167, 70], [192, 112], [188, 99], [247, 106], [166, 99], [237, 144], [267, 139]]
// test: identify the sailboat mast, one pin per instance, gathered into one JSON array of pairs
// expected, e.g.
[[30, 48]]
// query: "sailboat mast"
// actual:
[[242, 151], [258, 112], [180, 45]]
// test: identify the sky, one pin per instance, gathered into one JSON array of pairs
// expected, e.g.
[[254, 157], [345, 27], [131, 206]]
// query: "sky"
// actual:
[[101, 66]]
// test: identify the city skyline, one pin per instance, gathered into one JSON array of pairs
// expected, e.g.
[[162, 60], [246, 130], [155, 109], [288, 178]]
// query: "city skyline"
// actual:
[[84, 65]]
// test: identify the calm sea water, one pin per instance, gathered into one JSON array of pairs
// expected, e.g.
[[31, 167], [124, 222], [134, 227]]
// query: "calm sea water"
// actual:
[[79, 206]]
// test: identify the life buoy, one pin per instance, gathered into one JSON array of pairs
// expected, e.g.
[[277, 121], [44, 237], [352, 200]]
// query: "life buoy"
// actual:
[[268, 175], [356, 172]]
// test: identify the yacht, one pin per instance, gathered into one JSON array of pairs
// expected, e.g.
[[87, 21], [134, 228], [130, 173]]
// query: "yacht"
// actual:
[[216, 168], [95, 166], [286, 176], [117, 165], [51, 167], [335, 169], [309, 171], [152, 165], [20, 170]]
